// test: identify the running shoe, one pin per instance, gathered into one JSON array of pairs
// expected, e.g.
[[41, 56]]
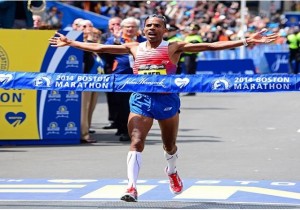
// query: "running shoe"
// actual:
[[176, 185], [130, 195]]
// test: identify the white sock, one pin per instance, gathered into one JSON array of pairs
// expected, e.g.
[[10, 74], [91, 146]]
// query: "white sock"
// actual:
[[134, 161], [171, 160]]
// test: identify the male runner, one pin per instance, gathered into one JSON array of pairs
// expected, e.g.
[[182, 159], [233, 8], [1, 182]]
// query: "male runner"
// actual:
[[145, 107]]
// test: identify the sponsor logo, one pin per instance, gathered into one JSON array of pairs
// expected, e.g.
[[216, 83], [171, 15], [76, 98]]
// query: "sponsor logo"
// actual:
[[62, 112], [220, 84], [53, 128], [42, 81], [182, 82], [141, 81], [15, 118], [72, 62], [280, 60], [72, 96], [54, 96], [4, 64], [165, 62], [167, 109], [71, 128]]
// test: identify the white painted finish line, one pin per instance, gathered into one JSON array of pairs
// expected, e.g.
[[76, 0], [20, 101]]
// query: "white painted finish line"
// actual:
[[116, 191], [224, 192], [59, 186]]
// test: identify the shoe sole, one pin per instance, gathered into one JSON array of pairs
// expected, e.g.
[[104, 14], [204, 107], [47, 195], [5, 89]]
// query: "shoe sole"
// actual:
[[128, 198], [175, 193]]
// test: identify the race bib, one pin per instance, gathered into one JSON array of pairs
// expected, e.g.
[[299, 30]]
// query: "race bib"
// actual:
[[152, 69]]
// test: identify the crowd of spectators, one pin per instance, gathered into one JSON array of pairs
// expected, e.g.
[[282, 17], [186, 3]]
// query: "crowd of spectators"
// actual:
[[218, 20]]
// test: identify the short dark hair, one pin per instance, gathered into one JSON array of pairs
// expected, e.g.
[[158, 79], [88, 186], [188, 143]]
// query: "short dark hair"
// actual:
[[163, 18]]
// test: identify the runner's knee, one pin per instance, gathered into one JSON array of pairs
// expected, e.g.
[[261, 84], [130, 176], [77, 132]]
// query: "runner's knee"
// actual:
[[137, 145], [170, 148]]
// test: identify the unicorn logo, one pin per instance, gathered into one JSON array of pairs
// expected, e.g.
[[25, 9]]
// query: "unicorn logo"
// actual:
[[5, 78], [220, 84], [42, 81]]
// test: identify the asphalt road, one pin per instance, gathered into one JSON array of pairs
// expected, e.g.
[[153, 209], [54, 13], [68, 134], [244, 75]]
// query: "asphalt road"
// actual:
[[235, 136], [221, 136]]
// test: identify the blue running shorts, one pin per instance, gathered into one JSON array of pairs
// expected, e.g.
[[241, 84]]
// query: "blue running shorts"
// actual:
[[155, 105]]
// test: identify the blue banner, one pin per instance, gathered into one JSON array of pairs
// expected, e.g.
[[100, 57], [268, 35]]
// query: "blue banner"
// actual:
[[247, 83], [155, 83], [70, 13]]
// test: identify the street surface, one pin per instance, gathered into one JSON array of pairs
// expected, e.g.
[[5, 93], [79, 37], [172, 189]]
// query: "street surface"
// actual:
[[234, 148]]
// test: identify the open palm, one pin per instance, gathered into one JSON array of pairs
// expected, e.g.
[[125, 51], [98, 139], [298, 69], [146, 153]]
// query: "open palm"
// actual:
[[260, 38], [59, 40]]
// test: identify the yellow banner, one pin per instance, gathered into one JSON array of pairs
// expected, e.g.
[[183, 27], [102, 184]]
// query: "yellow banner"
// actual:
[[21, 50]]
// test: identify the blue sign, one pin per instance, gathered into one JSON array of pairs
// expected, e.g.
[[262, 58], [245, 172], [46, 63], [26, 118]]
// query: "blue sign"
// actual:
[[278, 62], [238, 66], [59, 117], [70, 13], [293, 18]]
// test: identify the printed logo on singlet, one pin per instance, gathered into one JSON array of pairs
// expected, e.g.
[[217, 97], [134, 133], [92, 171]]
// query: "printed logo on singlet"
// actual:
[[152, 69]]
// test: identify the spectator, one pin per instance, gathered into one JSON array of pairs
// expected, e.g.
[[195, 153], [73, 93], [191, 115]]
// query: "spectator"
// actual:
[[122, 64], [115, 21], [97, 67], [293, 40], [37, 21], [75, 24], [112, 108], [172, 36], [17, 14], [190, 58], [281, 38], [96, 35], [88, 101], [53, 17]]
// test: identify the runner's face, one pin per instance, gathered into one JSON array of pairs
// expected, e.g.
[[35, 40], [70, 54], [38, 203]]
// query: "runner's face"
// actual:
[[154, 29]]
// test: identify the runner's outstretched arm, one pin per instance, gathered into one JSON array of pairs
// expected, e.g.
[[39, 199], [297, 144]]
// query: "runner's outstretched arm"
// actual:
[[60, 40], [256, 38]]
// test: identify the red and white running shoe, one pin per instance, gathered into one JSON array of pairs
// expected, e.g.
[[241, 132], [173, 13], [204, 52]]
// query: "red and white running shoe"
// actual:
[[130, 195], [176, 185]]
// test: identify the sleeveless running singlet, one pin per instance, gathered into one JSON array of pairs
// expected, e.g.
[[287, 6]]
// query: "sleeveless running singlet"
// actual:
[[156, 61], [153, 61]]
